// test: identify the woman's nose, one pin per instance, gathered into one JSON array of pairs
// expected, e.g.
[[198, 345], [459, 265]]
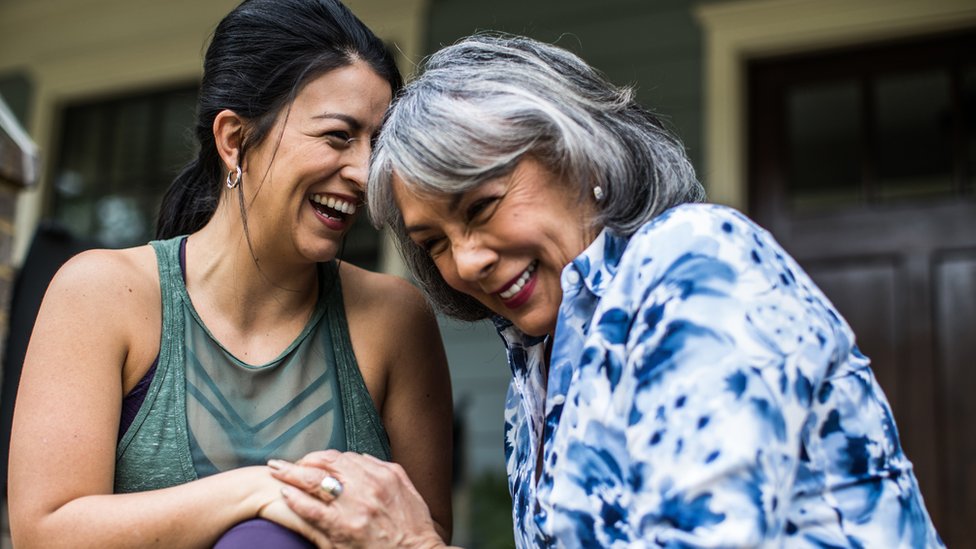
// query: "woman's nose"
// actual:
[[356, 159], [473, 260]]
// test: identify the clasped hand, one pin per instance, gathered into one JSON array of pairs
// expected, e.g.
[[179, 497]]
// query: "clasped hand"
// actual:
[[375, 504]]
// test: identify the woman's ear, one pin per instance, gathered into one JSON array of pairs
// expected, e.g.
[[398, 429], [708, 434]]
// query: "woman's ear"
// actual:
[[228, 129]]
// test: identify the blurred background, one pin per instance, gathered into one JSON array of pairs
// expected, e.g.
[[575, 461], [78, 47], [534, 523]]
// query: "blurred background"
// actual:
[[846, 127]]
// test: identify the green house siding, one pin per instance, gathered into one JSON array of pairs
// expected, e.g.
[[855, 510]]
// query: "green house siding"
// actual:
[[654, 46]]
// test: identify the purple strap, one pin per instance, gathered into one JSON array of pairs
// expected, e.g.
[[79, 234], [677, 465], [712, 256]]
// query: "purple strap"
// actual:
[[133, 401]]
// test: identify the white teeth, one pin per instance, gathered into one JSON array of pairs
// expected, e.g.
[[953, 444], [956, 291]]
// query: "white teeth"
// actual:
[[520, 283], [335, 203]]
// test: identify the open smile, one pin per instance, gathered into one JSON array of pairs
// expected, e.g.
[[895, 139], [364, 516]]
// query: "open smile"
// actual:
[[334, 211], [325, 203], [518, 284]]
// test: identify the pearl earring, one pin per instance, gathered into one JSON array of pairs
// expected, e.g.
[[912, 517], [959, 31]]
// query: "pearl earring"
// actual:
[[598, 193]]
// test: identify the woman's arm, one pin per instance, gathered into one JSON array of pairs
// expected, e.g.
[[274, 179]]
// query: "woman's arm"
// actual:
[[90, 334], [392, 325]]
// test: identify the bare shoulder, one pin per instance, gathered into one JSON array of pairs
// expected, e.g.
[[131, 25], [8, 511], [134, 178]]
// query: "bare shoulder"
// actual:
[[370, 293], [104, 305], [113, 287], [390, 324], [102, 273]]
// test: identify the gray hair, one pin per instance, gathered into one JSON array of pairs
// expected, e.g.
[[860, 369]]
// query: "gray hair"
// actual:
[[483, 103]]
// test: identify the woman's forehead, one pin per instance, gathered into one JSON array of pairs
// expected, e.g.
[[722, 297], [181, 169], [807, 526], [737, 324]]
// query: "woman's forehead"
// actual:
[[406, 187]]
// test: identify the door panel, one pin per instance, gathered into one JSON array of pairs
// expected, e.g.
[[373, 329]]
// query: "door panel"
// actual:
[[866, 295], [955, 328]]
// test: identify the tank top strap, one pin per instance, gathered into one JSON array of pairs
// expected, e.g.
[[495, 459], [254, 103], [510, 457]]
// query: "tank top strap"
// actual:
[[365, 433]]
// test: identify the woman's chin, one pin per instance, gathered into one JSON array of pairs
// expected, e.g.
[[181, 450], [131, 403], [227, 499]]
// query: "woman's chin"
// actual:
[[320, 251], [534, 327]]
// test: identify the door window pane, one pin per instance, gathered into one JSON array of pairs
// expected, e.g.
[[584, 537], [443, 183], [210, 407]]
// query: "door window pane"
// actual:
[[824, 125], [914, 124]]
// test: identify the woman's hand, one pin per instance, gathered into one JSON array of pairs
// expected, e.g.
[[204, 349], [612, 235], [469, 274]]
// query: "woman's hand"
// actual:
[[278, 512], [378, 505]]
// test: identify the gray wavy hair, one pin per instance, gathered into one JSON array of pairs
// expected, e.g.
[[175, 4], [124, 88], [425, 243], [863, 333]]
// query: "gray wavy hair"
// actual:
[[482, 104]]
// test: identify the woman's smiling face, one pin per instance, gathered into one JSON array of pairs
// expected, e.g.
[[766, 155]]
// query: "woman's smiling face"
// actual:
[[504, 242], [308, 174]]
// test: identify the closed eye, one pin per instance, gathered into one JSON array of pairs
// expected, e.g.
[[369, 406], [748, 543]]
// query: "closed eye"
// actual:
[[339, 139], [433, 245], [481, 209]]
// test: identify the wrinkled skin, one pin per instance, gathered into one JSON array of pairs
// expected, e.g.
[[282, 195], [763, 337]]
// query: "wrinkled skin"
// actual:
[[379, 506]]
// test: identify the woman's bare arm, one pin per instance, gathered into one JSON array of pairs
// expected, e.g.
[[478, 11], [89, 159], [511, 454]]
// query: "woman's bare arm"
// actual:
[[84, 352]]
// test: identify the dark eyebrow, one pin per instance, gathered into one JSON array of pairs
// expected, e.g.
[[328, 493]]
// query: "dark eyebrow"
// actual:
[[354, 124]]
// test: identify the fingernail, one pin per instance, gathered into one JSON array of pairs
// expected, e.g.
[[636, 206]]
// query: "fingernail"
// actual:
[[288, 492], [277, 464]]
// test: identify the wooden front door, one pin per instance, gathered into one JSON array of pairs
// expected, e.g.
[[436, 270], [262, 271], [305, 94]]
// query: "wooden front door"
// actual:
[[862, 164]]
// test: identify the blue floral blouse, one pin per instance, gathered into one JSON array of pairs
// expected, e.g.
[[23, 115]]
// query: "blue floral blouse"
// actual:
[[702, 393]]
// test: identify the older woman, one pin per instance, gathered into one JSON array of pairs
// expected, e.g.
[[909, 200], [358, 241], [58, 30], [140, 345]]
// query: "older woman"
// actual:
[[678, 380]]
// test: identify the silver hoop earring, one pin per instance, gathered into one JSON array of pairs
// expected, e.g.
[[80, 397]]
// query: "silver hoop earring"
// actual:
[[598, 193], [237, 178]]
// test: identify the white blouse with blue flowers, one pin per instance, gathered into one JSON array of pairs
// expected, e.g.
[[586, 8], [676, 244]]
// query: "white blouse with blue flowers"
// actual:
[[702, 393]]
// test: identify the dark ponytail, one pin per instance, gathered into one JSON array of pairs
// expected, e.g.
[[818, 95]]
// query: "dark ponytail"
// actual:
[[191, 199], [261, 55]]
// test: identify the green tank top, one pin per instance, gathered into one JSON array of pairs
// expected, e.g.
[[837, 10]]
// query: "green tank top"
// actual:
[[205, 411]]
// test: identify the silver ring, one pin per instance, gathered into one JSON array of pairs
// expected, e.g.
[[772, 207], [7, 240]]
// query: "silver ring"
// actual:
[[331, 485]]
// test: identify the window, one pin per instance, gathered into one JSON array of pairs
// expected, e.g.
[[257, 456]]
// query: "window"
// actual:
[[117, 157], [880, 125]]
